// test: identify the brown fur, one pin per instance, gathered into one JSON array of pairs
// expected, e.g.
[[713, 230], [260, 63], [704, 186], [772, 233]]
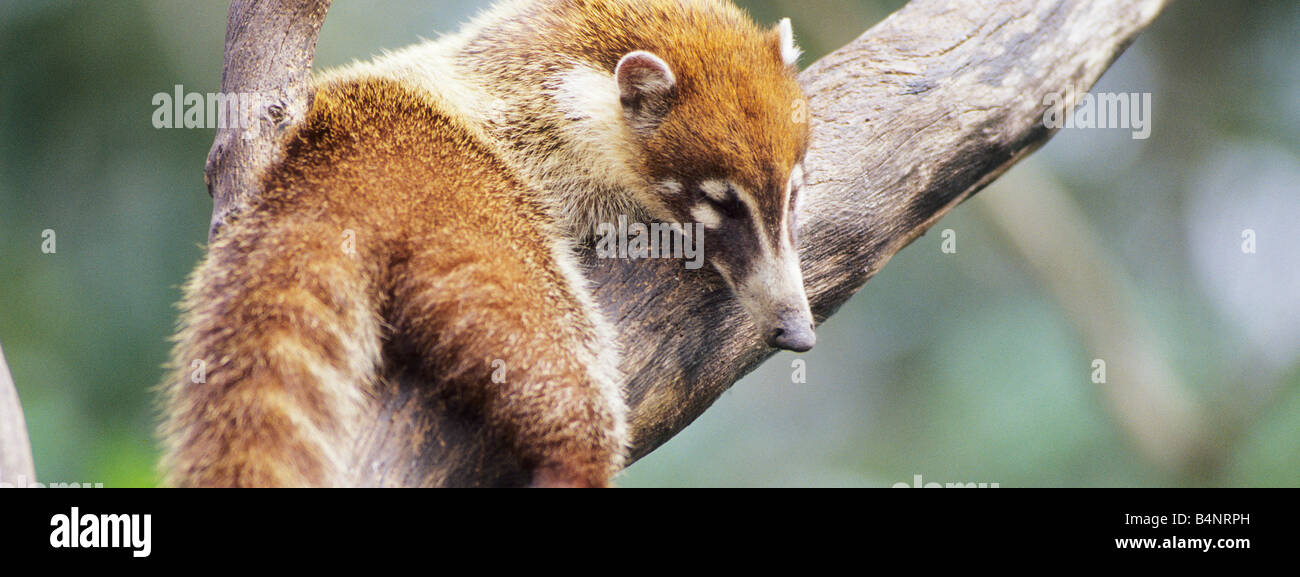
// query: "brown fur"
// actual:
[[732, 115], [449, 252], [461, 182]]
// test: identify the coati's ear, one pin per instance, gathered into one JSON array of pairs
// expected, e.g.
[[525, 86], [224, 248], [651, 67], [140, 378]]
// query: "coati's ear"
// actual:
[[645, 87], [790, 52]]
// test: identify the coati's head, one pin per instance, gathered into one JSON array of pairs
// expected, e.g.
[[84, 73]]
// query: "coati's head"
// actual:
[[684, 111], [721, 132]]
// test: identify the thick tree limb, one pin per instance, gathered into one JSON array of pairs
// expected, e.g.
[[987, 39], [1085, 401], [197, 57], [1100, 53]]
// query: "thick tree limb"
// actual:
[[909, 120], [16, 466]]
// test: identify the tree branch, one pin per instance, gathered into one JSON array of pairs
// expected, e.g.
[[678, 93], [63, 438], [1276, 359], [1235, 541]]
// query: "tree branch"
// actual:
[[270, 45], [16, 466], [909, 120]]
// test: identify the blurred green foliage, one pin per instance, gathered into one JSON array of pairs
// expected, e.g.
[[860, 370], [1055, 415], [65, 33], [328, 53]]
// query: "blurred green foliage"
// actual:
[[954, 367]]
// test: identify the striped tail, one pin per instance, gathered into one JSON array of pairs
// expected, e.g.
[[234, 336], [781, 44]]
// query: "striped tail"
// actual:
[[279, 343]]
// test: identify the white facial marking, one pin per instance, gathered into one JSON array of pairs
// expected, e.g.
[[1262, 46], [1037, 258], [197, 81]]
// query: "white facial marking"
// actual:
[[797, 182], [715, 189], [671, 187], [789, 52], [706, 215], [751, 203]]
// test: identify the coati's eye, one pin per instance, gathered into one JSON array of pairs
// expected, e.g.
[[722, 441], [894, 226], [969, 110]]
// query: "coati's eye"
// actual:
[[724, 198], [730, 207]]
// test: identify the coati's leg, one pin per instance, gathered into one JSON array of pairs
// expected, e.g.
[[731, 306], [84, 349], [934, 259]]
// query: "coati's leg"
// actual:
[[279, 343], [498, 326]]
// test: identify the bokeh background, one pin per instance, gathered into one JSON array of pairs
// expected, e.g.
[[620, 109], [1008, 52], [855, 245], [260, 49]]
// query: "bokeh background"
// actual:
[[972, 367]]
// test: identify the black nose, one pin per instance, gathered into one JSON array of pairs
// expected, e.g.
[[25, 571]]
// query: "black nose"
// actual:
[[797, 336]]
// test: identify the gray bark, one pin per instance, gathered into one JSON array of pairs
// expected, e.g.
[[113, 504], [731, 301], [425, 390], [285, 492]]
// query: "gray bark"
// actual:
[[270, 45]]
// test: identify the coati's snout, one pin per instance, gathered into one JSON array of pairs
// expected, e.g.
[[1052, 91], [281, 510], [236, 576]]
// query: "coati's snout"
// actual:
[[794, 332], [751, 242], [799, 339], [773, 295]]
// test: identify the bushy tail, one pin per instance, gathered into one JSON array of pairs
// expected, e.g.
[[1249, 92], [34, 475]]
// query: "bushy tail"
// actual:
[[278, 345]]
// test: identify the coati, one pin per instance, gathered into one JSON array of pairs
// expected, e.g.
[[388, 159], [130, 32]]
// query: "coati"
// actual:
[[425, 214]]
